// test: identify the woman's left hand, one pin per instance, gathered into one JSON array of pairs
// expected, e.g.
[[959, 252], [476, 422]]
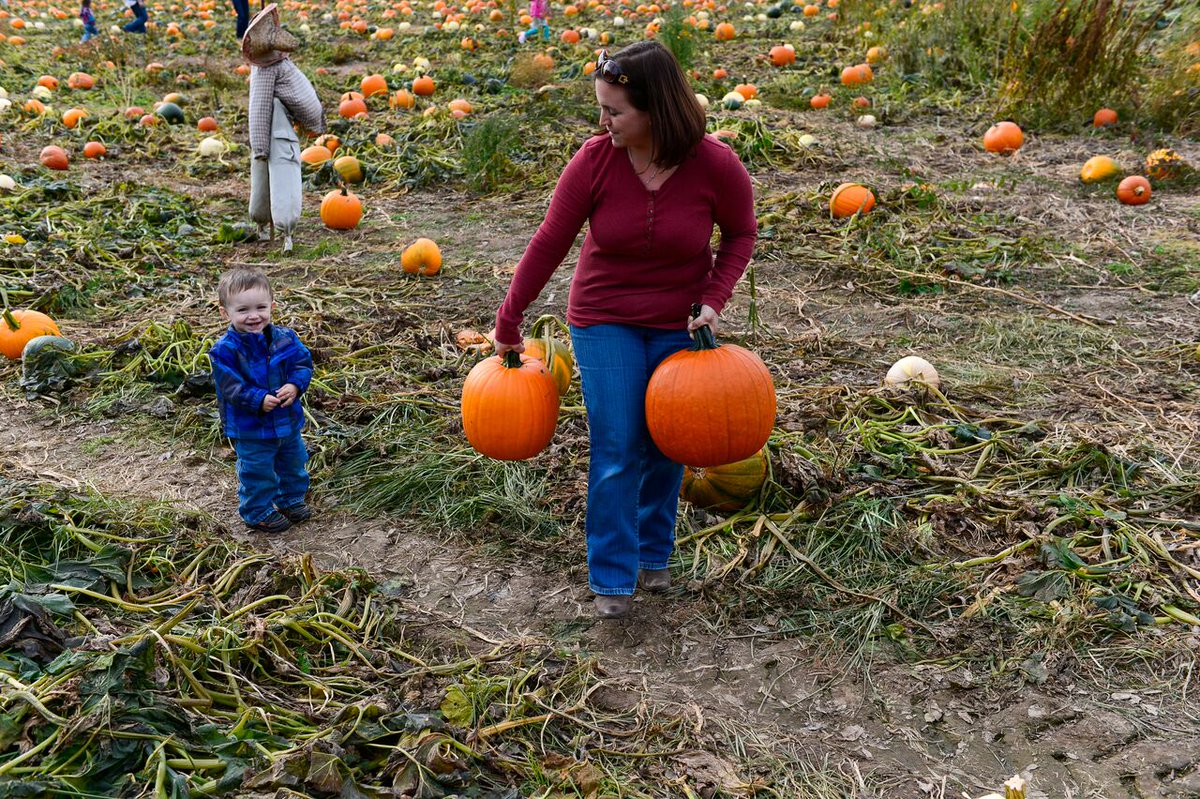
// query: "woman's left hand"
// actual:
[[707, 317]]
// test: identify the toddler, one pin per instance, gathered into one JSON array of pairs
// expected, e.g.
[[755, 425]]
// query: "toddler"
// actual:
[[260, 371], [540, 11], [89, 20]]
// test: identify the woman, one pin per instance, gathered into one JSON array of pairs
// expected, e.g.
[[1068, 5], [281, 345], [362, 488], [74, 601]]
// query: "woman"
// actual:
[[652, 186]]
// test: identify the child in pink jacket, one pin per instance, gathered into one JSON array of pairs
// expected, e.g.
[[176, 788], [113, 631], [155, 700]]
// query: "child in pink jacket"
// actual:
[[540, 11]]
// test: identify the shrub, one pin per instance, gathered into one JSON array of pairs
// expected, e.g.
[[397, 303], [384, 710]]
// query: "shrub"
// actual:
[[679, 36], [486, 150]]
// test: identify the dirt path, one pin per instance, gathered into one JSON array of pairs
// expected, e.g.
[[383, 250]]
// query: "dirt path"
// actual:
[[916, 730]]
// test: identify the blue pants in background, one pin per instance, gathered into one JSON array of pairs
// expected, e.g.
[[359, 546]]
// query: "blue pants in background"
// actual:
[[140, 18]]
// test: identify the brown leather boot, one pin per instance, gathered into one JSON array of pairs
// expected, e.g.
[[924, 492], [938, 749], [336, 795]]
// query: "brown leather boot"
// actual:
[[613, 607], [654, 580]]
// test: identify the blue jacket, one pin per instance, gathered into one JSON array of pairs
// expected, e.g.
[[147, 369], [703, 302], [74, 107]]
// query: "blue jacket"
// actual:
[[249, 366]]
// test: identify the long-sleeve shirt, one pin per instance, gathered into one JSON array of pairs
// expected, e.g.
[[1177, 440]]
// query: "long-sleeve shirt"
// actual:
[[647, 255], [249, 366], [87, 16]]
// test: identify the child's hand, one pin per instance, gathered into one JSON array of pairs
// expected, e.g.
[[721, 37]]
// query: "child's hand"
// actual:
[[270, 403], [287, 394]]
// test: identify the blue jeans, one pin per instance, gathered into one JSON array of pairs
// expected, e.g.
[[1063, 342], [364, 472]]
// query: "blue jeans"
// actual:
[[271, 475], [242, 7], [140, 17], [633, 489], [88, 32]]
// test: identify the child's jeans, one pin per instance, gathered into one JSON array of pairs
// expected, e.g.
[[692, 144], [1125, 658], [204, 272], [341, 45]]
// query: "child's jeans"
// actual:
[[271, 475], [539, 24], [88, 32]]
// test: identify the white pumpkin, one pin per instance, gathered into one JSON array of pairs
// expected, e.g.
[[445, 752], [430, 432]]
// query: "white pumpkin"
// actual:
[[7, 183], [212, 147], [912, 367]]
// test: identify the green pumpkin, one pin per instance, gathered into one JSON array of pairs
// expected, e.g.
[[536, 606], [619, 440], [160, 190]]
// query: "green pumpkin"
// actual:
[[172, 113]]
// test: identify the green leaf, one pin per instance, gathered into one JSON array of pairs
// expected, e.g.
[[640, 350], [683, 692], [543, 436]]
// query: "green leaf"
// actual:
[[457, 707]]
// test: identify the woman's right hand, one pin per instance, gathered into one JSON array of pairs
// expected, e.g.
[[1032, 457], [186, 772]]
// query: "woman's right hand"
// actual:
[[502, 348]]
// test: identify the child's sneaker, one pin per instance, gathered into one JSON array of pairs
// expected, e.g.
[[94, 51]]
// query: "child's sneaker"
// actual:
[[297, 513], [275, 523], [521, 37]]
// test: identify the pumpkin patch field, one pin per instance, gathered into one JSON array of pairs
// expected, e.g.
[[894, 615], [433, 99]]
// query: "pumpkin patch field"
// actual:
[[966, 562]]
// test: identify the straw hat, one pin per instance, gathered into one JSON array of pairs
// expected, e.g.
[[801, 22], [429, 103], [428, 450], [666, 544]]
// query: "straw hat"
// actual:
[[265, 43]]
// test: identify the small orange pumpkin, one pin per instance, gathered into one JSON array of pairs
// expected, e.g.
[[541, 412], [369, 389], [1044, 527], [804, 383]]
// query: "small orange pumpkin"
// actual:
[[725, 32], [94, 149], [422, 257], [72, 116], [423, 86], [849, 199], [857, 74], [781, 55], [726, 488], [819, 101], [1004, 138], [54, 157], [206, 124], [509, 407], [403, 98], [373, 84], [18, 328], [1104, 117], [315, 155], [80, 80], [1134, 190], [341, 210], [349, 109], [559, 363]]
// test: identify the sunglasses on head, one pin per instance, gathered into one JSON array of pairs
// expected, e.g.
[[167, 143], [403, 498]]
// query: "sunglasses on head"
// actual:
[[609, 70]]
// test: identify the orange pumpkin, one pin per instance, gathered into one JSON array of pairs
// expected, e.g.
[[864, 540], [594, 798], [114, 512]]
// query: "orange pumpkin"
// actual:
[[1134, 190], [710, 405], [422, 257], [781, 55], [81, 80], [373, 85], [859, 73], [206, 124], [1104, 117], [349, 109], [94, 149], [49, 81], [570, 36], [72, 116], [746, 90], [341, 210], [18, 328], [403, 98], [725, 488], [1004, 138], [819, 101], [509, 407], [423, 86], [53, 157], [315, 155], [725, 32], [849, 199]]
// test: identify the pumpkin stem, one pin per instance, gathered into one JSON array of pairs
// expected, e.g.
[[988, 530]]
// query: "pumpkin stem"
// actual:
[[9, 319], [705, 340], [512, 360]]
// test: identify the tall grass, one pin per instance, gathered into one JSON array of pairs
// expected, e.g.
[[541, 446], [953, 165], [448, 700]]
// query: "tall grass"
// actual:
[[1066, 58]]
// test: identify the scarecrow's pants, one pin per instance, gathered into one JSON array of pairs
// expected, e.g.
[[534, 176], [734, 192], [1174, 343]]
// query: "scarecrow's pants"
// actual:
[[275, 190]]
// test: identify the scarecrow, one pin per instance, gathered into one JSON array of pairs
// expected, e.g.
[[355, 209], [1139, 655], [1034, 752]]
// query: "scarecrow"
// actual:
[[280, 98]]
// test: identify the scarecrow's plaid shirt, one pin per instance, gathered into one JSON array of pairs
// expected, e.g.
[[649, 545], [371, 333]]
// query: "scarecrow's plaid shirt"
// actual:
[[285, 81]]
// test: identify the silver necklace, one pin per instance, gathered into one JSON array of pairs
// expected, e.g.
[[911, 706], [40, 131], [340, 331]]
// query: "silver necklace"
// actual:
[[653, 174]]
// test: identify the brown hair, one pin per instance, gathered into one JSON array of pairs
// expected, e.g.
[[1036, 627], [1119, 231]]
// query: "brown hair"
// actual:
[[235, 281], [657, 86]]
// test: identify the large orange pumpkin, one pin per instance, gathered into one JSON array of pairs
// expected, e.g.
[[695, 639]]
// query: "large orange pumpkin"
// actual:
[[724, 32], [315, 155], [849, 199], [352, 108], [725, 488], [81, 80], [710, 405], [403, 98], [17, 328], [509, 407], [859, 73], [53, 157], [422, 257], [341, 210], [1004, 138]]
